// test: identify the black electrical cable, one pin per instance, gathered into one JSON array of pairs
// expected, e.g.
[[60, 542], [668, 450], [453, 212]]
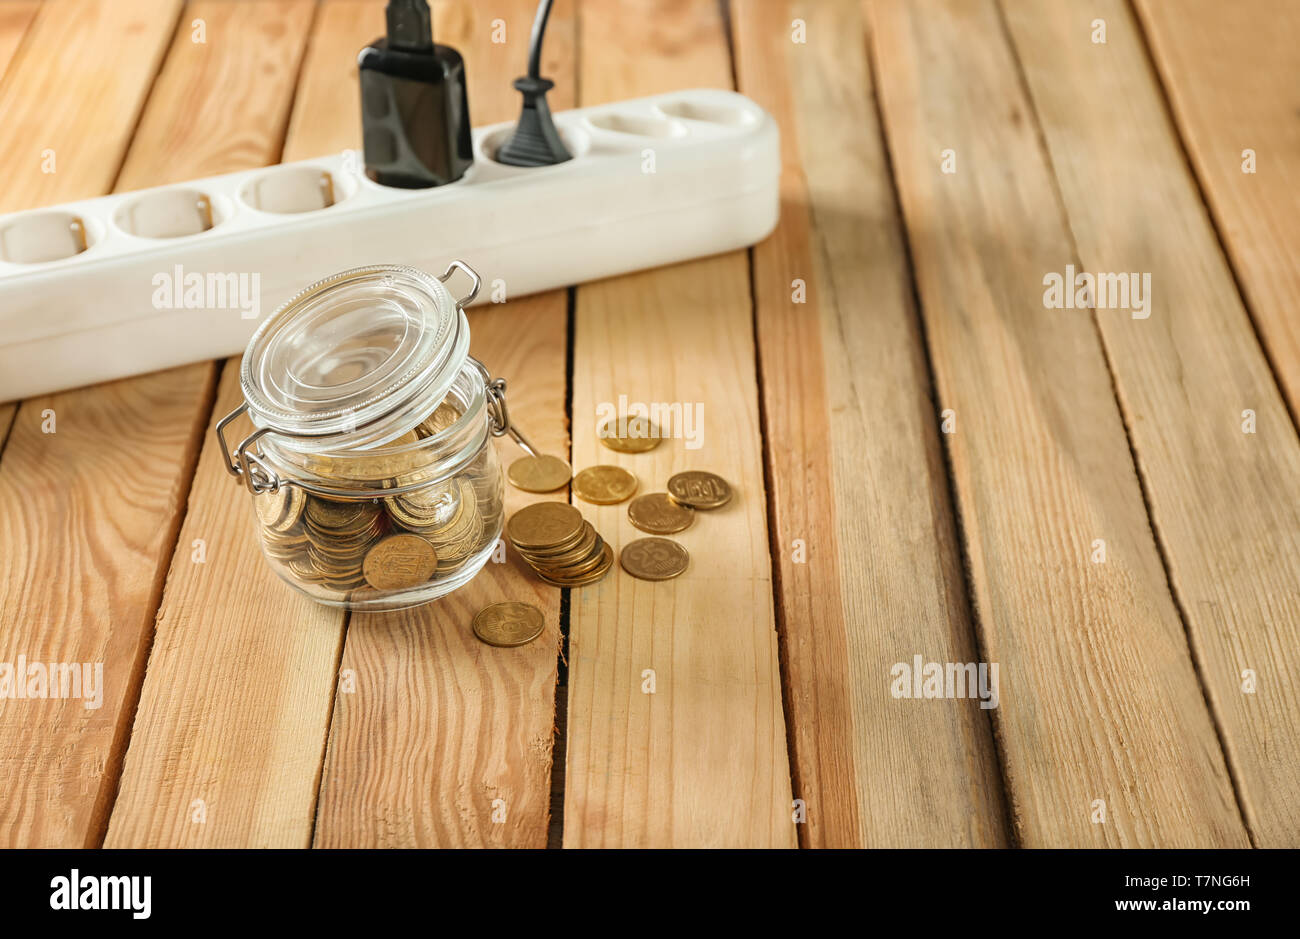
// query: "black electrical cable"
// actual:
[[535, 141], [535, 42]]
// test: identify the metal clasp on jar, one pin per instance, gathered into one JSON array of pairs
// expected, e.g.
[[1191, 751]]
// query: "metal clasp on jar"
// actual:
[[245, 462]]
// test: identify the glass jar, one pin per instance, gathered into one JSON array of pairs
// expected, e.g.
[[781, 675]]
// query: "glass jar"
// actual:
[[375, 482]]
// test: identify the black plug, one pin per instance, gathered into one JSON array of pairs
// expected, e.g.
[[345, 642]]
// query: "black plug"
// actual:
[[535, 141], [414, 104]]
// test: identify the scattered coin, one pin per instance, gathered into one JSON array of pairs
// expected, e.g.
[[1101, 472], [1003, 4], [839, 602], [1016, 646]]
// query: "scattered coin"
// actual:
[[510, 623], [699, 490], [604, 484], [399, 562], [654, 558], [657, 514], [543, 473], [635, 435], [544, 525]]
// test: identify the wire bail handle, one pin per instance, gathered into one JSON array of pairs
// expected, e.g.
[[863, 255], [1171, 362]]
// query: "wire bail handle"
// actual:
[[245, 462]]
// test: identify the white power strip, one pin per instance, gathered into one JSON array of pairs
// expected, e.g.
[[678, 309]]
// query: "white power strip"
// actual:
[[140, 281]]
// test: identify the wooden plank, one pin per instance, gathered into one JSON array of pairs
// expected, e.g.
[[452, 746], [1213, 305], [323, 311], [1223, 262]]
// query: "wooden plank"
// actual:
[[860, 481], [221, 105], [1232, 74], [446, 741], [82, 526], [1099, 698], [702, 761], [15, 19], [327, 107], [1230, 522], [71, 101]]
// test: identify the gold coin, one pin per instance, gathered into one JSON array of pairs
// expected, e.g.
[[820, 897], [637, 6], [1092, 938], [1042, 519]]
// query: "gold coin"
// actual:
[[606, 562], [659, 515], [569, 555], [270, 506], [543, 473], [328, 515], [399, 562], [699, 490], [604, 484], [544, 525], [637, 435], [443, 417], [509, 624], [654, 558]]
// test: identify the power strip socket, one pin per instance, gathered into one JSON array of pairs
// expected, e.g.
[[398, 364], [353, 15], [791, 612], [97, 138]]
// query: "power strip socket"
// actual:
[[140, 281]]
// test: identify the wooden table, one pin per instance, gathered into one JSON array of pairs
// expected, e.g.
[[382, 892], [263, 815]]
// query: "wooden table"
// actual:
[[931, 462]]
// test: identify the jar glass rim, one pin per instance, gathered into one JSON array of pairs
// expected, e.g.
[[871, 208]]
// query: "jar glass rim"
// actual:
[[361, 354], [349, 473]]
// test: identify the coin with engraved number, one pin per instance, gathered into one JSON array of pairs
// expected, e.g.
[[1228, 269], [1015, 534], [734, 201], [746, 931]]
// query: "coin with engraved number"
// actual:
[[544, 473], [604, 485], [629, 434], [509, 623], [399, 562], [657, 514], [699, 490], [544, 525], [654, 558]]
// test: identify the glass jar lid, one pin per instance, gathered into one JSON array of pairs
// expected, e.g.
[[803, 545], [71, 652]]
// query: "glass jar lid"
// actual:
[[365, 353]]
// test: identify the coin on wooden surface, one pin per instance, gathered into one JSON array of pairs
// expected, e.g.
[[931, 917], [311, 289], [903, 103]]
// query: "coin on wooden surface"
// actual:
[[399, 562], [699, 490], [509, 623], [543, 473], [605, 562], [633, 435], [654, 558], [544, 525], [604, 484], [657, 514]]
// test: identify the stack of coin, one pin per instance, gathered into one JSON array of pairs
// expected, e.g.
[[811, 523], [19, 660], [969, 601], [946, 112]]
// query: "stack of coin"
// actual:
[[339, 536], [559, 544], [280, 513], [447, 516]]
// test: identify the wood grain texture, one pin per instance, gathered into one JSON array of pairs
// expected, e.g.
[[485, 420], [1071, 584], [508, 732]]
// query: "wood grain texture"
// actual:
[[702, 761], [447, 741], [15, 19], [231, 742], [1232, 74], [71, 98], [83, 528], [1225, 504], [854, 464], [1099, 699]]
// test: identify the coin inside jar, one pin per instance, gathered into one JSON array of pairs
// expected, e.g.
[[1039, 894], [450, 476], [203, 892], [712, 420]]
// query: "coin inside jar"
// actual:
[[399, 562], [508, 624], [542, 473], [604, 484], [699, 490], [635, 435], [657, 514], [654, 558]]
